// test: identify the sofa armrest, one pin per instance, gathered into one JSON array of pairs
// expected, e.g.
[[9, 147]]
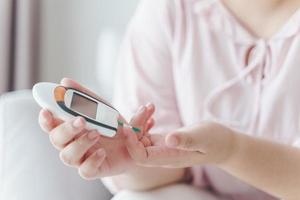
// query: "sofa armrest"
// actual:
[[30, 168]]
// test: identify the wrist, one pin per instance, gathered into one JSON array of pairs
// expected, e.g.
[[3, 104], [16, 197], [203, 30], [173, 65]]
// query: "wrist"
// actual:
[[187, 176], [234, 147], [228, 146]]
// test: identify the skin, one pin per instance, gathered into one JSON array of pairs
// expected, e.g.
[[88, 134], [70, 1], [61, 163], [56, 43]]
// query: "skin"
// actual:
[[261, 163], [96, 157], [269, 166], [272, 167], [267, 16]]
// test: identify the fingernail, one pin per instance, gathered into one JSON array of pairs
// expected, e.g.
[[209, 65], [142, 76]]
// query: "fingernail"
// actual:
[[172, 141], [93, 135], [141, 109], [78, 122], [100, 152], [149, 104]]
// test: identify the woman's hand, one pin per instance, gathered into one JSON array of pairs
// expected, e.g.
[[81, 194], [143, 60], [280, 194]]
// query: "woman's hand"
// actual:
[[207, 143], [93, 155]]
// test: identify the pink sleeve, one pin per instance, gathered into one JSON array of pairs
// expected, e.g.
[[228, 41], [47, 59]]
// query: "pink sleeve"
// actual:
[[145, 65]]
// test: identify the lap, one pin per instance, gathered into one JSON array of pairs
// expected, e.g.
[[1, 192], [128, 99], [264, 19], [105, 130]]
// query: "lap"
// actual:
[[174, 192]]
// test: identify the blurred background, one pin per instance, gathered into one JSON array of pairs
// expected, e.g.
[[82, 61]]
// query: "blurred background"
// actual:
[[45, 40]]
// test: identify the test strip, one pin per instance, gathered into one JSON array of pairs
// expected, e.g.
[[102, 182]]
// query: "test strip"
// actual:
[[135, 129]]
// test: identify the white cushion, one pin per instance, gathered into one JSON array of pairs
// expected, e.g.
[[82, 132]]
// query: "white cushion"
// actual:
[[30, 168]]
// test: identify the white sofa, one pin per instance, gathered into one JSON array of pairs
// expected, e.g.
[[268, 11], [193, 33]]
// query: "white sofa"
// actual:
[[30, 168]]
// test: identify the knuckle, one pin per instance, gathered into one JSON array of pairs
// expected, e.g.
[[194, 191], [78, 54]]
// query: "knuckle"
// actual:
[[61, 135], [55, 143], [82, 140], [64, 158], [66, 127]]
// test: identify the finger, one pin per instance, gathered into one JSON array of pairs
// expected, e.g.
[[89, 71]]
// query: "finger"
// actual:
[[73, 153], [47, 121], [139, 118], [89, 169], [66, 82], [64, 133], [135, 148], [143, 114], [149, 124], [150, 110]]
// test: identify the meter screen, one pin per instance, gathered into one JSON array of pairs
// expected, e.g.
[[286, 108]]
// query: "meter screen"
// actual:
[[84, 105]]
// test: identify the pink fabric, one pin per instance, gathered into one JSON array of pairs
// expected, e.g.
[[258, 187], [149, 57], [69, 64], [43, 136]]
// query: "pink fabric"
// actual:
[[196, 61]]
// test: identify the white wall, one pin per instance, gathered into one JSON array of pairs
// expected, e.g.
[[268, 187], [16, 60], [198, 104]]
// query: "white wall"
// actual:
[[69, 37]]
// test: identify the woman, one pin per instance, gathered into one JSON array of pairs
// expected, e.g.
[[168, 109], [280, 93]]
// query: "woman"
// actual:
[[231, 63]]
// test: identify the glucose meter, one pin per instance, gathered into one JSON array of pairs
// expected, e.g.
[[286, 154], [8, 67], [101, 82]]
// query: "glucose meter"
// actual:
[[67, 103]]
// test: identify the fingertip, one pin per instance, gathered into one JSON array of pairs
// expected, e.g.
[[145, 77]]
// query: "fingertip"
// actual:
[[149, 104], [65, 81], [79, 122], [45, 113], [150, 107], [45, 120]]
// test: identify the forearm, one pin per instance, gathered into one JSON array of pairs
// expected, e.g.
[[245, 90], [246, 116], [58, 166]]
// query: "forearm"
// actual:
[[142, 178], [272, 167]]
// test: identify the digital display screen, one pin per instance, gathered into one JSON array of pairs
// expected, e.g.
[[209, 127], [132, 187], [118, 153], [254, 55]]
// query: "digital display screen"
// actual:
[[84, 105]]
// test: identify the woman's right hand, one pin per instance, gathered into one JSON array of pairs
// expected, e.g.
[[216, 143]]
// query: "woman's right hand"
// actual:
[[94, 156]]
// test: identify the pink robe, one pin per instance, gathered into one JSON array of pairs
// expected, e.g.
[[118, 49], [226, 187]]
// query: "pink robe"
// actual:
[[195, 61]]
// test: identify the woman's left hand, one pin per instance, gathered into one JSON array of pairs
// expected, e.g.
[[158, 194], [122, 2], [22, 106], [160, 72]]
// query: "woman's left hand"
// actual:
[[207, 143]]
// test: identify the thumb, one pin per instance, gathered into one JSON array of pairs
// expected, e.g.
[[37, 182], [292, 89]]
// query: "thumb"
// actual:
[[186, 139]]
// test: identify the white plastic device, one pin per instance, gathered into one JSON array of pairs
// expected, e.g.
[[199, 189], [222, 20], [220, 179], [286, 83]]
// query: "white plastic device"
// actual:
[[66, 103]]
